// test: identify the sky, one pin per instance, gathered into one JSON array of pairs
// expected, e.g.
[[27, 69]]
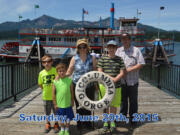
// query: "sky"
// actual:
[[167, 19]]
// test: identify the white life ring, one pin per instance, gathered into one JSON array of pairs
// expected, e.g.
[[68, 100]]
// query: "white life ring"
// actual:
[[80, 91]]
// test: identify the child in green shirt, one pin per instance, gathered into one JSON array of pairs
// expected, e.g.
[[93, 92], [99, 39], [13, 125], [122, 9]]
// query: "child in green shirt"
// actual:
[[45, 81], [63, 97]]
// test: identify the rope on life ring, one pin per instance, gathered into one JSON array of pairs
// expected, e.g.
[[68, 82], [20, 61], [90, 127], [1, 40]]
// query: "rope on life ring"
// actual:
[[80, 91]]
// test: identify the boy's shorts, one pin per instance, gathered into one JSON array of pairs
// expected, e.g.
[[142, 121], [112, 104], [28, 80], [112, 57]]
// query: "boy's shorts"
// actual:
[[117, 97], [48, 106], [68, 112]]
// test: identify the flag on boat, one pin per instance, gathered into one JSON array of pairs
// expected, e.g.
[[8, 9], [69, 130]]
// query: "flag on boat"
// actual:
[[139, 13], [36, 6], [161, 8], [20, 17], [85, 11]]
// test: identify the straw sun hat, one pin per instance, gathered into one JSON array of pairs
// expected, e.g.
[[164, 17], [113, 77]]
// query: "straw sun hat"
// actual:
[[83, 41]]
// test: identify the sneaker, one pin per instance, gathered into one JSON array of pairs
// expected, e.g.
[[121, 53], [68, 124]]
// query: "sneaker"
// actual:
[[112, 126], [56, 128], [66, 132], [105, 126], [47, 128], [132, 123], [62, 132]]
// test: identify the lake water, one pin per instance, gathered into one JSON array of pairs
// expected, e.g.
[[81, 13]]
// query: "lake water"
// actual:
[[176, 59]]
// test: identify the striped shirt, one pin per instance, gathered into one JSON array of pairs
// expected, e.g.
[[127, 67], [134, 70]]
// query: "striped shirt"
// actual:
[[111, 66], [131, 57]]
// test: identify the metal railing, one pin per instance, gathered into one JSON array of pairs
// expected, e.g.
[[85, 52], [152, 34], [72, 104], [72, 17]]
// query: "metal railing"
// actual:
[[163, 76], [16, 78]]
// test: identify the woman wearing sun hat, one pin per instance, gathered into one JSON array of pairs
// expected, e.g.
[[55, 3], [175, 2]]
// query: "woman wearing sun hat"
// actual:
[[80, 64]]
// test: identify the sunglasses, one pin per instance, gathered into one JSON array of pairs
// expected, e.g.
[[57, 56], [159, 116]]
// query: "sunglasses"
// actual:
[[82, 47], [49, 61]]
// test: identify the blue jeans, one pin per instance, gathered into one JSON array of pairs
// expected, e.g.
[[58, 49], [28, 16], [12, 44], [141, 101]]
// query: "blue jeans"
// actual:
[[131, 93]]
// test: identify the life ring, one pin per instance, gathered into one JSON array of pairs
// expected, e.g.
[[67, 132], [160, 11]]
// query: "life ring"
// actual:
[[80, 91]]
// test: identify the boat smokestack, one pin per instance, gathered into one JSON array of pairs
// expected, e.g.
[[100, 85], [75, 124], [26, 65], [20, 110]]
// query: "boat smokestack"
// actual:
[[112, 16]]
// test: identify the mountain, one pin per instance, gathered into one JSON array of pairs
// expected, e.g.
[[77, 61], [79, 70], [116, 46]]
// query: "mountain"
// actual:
[[46, 21], [148, 28], [7, 26]]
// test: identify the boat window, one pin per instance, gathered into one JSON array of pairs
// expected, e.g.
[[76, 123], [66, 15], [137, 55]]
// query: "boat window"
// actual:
[[42, 39], [108, 39], [96, 39], [69, 39], [119, 40], [52, 39], [75, 39]]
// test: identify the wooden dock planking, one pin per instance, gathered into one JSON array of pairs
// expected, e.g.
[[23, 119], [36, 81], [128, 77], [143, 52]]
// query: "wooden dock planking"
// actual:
[[151, 100]]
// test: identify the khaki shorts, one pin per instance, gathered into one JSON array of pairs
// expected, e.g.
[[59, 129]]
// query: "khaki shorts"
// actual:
[[48, 106]]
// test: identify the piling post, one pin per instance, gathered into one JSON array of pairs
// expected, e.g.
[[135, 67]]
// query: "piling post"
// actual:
[[12, 83], [158, 78]]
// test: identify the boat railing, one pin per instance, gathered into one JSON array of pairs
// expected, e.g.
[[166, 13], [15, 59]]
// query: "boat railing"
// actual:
[[80, 32], [73, 44]]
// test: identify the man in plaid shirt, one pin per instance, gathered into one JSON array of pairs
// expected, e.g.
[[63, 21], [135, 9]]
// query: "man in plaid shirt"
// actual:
[[133, 60]]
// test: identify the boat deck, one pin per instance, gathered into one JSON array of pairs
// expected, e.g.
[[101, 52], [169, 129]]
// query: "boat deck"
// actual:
[[151, 100]]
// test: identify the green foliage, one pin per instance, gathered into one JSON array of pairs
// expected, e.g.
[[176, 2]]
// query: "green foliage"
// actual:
[[163, 35]]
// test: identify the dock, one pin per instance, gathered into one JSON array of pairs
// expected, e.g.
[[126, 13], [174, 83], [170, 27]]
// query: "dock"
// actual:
[[151, 100]]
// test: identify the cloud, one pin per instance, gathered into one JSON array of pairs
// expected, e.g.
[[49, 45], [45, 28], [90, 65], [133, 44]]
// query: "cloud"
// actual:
[[10, 10], [3, 7], [18, 6], [23, 7]]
